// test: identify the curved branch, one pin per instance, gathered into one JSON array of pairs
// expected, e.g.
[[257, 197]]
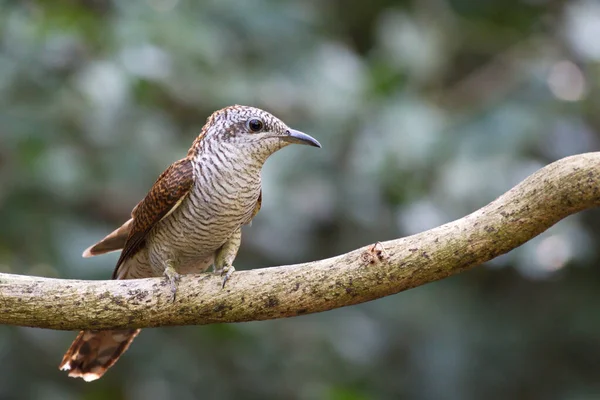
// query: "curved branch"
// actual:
[[552, 193]]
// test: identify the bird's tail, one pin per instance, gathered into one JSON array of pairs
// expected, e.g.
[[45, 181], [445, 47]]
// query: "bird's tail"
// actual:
[[93, 352]]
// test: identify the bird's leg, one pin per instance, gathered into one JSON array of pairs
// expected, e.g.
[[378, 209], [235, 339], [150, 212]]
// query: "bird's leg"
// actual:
[[173, 277], [226, 254]]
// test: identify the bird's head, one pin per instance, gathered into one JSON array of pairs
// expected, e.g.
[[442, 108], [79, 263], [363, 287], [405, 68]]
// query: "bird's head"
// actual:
[[250, 131]]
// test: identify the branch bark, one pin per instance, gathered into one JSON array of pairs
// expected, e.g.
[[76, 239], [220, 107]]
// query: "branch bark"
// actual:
[[551, 194]]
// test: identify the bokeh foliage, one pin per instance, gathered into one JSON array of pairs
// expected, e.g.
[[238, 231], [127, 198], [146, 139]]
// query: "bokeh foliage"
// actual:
[[426, 110]]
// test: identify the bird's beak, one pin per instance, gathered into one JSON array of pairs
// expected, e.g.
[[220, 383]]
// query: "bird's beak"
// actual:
[[294, 136]]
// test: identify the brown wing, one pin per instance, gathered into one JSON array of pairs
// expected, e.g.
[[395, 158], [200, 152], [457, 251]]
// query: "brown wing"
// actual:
[[168, 191]]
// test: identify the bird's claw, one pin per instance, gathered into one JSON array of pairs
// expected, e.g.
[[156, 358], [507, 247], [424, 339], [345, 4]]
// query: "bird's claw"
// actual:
[[226, 273], [173, 277]]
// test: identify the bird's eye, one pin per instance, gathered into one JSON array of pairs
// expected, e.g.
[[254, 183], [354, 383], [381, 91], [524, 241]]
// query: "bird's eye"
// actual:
[[255, 125]]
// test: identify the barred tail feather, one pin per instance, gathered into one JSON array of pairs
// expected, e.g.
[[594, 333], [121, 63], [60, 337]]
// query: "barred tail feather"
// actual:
[[94, 352]]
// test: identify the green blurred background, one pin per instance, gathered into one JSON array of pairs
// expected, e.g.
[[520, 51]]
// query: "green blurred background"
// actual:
[[426, 110]]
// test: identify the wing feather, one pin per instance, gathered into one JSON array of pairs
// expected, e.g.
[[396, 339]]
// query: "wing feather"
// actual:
[[114, 241], [167, 193]]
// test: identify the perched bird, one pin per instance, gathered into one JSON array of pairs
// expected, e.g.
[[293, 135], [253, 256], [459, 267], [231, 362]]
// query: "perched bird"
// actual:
[[190, 220]]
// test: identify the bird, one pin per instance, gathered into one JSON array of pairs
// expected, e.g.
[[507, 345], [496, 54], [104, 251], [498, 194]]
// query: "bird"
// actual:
[[190, 220]]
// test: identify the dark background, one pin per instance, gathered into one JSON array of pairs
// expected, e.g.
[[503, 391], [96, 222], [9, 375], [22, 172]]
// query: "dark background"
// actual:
[[427, 110]]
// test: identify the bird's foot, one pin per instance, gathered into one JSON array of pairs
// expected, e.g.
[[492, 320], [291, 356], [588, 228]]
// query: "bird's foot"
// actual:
[[225, 272], [173, 278]]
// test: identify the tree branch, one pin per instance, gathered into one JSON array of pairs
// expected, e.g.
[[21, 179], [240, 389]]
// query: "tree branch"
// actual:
[[552, 193]]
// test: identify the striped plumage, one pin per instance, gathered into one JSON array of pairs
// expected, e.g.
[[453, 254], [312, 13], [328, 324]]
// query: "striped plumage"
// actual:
[[190, 220]]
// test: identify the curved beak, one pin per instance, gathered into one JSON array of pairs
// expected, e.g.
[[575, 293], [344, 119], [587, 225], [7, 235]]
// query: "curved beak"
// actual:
[[294, 136]]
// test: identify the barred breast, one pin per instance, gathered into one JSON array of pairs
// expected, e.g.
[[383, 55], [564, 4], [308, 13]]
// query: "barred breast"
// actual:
[[222, 199]]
